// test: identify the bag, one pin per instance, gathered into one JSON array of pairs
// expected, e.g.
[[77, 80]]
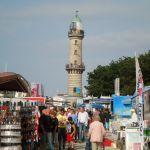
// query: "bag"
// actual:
[[88, 145]]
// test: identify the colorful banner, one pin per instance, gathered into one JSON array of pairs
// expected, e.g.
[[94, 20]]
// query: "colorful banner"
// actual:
[[37, 90], [122, 106], [139, 91], [133, 140]]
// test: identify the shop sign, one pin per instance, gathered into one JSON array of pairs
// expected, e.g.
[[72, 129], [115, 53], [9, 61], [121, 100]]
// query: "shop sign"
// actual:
[[133, 140]]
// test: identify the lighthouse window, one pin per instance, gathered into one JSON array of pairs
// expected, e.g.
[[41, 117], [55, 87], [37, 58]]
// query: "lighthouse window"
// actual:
[[75, 42], [75, 52], [75, 62], [74, 89]]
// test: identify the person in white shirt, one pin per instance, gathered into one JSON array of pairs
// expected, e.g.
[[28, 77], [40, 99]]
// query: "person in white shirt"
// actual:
[[83, 118], [134, 117]]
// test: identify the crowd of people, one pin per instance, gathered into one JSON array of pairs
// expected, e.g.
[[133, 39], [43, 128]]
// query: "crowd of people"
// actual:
[[58, 126]]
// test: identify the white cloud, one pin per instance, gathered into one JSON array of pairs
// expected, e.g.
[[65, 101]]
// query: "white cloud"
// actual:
[[125, 40]]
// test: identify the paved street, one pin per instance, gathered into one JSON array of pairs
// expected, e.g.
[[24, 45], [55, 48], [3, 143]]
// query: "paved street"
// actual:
[[79, 146]]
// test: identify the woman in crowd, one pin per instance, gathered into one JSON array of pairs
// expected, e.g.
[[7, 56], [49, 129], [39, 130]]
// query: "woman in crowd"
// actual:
[[96, 133], [75, 120]]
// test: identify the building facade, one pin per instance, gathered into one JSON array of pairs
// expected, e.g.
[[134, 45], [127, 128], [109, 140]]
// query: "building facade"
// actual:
[[75, 67]]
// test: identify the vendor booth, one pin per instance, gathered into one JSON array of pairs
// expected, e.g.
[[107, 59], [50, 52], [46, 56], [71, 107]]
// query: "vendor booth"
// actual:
[[18, 113]]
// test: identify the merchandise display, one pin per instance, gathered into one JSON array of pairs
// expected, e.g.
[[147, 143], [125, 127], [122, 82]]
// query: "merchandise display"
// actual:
[[18, 127], [28, 127], [10, 128]]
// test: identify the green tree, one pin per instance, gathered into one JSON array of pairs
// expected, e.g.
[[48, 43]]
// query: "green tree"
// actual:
[[101, 79]]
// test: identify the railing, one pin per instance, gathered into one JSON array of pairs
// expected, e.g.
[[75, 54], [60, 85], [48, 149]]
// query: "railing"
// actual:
[[76, 33], [75, 66]]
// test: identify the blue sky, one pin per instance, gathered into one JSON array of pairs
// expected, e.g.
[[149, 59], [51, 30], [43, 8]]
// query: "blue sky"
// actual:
[[34, 40]]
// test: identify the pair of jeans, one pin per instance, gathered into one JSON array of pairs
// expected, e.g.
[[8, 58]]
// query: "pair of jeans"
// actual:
[[43, 141], [33, 145], [82, 131], [55, 138], [62, 137], [49, 141], [88, 145]]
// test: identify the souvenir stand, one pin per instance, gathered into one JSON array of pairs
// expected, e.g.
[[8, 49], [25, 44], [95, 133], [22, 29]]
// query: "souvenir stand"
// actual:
[[28, 127], [29, 122], [19, 123], [17, 113], [122, 118], [10, 127]]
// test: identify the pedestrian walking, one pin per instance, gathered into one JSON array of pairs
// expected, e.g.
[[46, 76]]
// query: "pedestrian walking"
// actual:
[[53, 115], [96, 133], [107, 118], [102, 117], [77, 127], [41, 130], [75, 120], [45, 131], [62, 120], [71, 131], [83, 119]]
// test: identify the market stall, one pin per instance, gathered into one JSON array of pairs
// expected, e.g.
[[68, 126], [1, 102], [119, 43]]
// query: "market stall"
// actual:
[[10, 128], [19, 123]]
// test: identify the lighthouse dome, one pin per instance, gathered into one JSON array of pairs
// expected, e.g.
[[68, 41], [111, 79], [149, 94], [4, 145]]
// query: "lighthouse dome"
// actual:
[[76, 22]]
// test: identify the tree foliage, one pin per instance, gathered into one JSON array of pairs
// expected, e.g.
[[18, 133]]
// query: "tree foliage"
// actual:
[[101, 79]]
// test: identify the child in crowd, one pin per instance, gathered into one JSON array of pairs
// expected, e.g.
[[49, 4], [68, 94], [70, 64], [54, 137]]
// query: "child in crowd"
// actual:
[[71, 131]]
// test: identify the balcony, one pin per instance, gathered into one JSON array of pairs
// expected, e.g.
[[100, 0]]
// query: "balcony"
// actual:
[[80, 67], [78, 33]]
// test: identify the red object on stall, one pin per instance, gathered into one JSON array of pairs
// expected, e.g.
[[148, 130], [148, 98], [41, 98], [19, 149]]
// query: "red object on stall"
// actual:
[[41, 99], [4, 107]]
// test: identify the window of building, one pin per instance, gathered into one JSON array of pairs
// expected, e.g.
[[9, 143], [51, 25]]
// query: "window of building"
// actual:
[[75, 62], [75, 52], [74, 89], [75, 42]]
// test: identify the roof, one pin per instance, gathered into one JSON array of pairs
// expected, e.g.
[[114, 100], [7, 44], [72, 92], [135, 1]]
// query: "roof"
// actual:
[[76, 18], [76, 22], [10, 81]]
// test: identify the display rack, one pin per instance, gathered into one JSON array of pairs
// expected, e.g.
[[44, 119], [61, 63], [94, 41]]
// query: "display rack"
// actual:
[[28, 127], [10, 129]]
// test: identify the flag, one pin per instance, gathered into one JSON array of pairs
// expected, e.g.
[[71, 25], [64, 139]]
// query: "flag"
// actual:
[[37, 116], [139, 81], [139, 92], [139, 76]]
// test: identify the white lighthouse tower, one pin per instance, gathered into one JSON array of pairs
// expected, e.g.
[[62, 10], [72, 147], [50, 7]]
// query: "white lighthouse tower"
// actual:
[[75, 67]]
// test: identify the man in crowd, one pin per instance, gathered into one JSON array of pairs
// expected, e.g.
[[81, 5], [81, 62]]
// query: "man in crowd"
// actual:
[[83, 123], [45, 131], [62, 120]]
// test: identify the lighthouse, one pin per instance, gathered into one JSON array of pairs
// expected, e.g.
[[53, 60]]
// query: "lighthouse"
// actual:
[[75, 66]]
